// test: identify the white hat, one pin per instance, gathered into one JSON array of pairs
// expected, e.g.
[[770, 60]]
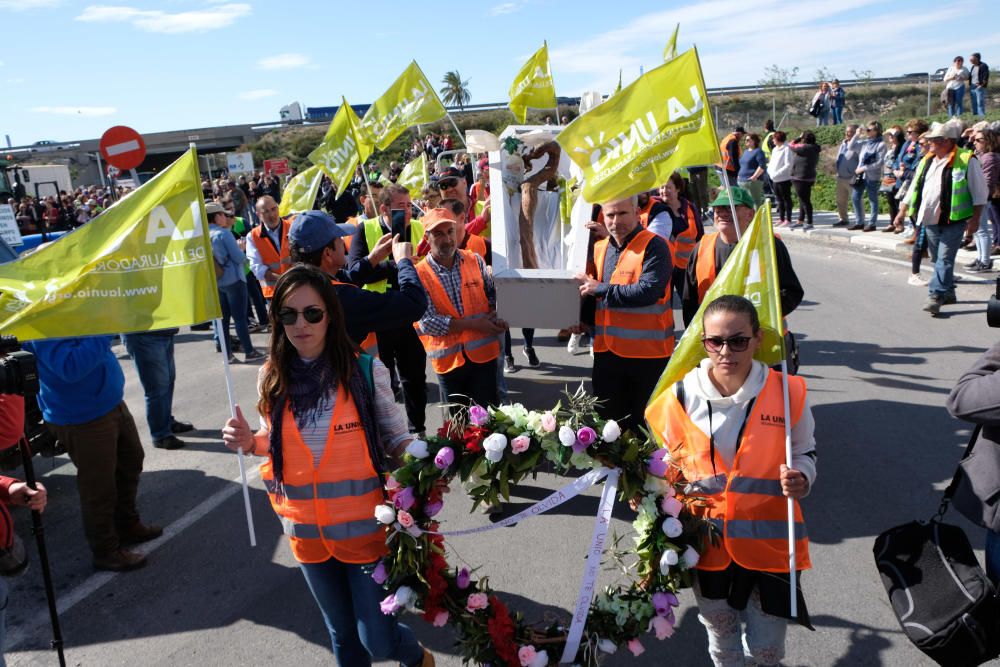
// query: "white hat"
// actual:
[[948, 130]]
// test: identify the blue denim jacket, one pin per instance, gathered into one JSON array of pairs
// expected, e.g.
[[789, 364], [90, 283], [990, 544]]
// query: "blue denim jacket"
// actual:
[[228, 254]]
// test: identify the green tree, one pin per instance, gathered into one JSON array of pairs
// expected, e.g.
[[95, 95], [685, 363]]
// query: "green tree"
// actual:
[[455, 92]]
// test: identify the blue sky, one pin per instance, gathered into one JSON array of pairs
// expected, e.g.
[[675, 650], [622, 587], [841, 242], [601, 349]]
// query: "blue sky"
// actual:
[[69, 70]]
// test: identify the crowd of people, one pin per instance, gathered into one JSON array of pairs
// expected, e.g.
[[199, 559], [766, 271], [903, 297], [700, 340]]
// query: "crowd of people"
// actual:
[[64, 211]]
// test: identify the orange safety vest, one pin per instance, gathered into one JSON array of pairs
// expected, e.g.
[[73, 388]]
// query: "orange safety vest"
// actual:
[[328, 510], [727, 159], [644, 211], [269, 254], [636, 333], [683, 244], [744, 502], [353, 222], [446, 352], [476, 244]]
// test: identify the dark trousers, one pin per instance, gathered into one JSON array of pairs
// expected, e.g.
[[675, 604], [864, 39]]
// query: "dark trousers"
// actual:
[[108, 457], [803, 190], [470, 383], [401, 348], [624, 386], [527, 334], [783, 194]]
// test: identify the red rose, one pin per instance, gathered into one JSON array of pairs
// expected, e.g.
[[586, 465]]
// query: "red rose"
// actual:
[[501, 630], [473, 438]]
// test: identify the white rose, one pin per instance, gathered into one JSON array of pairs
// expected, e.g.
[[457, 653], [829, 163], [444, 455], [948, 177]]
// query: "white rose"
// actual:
[[567, 436], [417, 449], [385, 514], [611, 432], [672, 527], [667, 561], [405, 596], [541, 659], [691, 558], [607, 646], [494, 446]]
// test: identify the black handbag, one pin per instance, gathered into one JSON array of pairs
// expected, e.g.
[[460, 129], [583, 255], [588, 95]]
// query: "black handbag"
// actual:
[[942, 598], [976, 484]]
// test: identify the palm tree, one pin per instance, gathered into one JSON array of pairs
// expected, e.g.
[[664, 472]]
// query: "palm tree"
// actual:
[[455, 92]]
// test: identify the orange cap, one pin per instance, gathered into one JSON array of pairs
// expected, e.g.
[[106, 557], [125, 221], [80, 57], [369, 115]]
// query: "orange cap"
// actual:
[[437, 217]]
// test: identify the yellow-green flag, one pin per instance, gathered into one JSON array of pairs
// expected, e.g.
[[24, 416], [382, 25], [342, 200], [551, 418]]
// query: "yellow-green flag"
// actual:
[[341, 149], [750, 271], [533, 87], [633, 142], [144, 264], [670, 50], [409, 101], [300, 192], [414, 176]]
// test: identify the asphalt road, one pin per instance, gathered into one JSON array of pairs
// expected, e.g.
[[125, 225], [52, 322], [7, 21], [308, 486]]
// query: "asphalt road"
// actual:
[[878, 369]]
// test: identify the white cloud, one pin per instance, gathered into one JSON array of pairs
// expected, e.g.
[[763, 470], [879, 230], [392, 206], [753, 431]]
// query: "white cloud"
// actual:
[[25, 5], [260, 94], [506, 8], [72, 111], [155, 20], [283, 61]]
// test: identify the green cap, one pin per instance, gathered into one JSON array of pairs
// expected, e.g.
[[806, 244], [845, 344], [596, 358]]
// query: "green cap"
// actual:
[[741, 197]]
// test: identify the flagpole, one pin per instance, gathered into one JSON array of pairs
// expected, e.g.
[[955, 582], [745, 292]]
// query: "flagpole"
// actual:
[[224, 346], [457, 131], [792, 573], [732, 205]]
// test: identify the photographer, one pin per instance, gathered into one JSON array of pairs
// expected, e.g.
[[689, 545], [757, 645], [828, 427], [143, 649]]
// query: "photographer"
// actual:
[[976, 399], [12, 491]]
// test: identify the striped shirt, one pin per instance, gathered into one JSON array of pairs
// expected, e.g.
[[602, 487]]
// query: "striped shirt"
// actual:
[[433, 323]]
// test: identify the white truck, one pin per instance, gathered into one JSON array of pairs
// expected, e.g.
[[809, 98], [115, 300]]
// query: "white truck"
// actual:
[[42, 180]]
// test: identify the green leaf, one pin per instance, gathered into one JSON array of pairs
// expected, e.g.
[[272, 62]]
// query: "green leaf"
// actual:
[[632, 453]]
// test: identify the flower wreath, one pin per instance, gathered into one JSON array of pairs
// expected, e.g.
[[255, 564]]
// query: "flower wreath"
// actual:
[[500, 446]]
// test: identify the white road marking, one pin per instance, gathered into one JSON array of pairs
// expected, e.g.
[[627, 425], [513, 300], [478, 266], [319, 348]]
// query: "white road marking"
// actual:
[[94, 582]]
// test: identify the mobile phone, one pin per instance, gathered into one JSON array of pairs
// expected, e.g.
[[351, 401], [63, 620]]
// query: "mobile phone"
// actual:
[[399, 226]]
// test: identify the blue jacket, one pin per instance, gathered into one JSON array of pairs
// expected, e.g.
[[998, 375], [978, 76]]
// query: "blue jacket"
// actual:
[[228, 254], [80, 379], [365, 312]]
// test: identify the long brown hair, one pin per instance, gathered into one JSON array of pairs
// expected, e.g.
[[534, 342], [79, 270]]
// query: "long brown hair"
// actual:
[[338, 347]]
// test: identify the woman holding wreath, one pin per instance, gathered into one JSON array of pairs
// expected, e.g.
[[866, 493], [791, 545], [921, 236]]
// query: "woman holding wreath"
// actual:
[[329, 427], [723, 425]]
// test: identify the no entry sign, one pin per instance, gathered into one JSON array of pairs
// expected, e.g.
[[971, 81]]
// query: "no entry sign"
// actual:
[[123, 147]]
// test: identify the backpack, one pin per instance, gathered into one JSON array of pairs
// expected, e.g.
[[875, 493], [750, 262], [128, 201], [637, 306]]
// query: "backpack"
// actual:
[[943, 600]]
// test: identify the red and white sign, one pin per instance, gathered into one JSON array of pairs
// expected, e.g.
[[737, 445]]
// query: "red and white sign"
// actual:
[[277, 167], [123, 147]]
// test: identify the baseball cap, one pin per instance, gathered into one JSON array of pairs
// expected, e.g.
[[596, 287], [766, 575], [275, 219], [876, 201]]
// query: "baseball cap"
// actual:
[[437, 217], [947, 130], [740, 197], [314, 230], [451, 172], [211, 208]]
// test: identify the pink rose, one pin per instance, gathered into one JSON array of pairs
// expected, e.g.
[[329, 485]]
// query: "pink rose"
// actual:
[[586, 436], [636, 647], [526, 654], [445, 457], [432, 509], [405, 518], [441, 619], [663, 627], [379, 574], [520, 444], [476, 602], [389, 605], [548, 422], [391, 484], [478, 415], [671, 506]]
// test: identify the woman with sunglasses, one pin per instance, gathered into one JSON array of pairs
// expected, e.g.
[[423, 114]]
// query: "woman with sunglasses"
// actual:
[[329, 427], [723, 425]]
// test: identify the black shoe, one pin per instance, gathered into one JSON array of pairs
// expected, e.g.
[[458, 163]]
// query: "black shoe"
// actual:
[[254, 355], [529, 353], [980, 267], [120, 560], [839, 223], [508, 364], [869, 228], [138, 533], [181, 427], [971, 265], [169, 442], [855, 228], [949, 299]]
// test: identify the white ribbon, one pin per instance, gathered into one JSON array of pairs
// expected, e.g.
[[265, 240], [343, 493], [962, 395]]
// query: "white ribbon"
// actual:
[[592, 568], [553, 500]]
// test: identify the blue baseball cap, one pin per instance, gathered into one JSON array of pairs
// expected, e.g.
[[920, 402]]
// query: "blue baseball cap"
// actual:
[[314, 230]]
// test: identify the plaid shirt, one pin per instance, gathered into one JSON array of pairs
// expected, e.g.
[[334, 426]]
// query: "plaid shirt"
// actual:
[[433, 323]]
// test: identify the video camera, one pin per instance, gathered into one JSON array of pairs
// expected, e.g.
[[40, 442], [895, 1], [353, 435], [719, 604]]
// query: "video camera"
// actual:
[[18, 370], [993, 309]]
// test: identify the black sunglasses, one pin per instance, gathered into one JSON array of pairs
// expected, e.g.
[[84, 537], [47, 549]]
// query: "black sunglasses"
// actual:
[[735, 343], [313, 315], [448, 182], [229, 215]]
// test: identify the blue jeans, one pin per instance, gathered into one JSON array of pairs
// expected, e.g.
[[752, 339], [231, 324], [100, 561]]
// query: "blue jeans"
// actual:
[[993, 556], [957, 105], [838, 115], [234, 306], [943, 242], [349, 599], [153, 355], [978, 96], [823, 118], [871, 187]]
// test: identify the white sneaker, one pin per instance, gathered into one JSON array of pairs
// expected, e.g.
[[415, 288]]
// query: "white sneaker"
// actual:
[[573, 346], [908, 233], [916, 280]]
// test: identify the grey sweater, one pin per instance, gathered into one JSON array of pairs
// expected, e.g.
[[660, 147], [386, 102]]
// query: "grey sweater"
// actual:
[[976, 396]]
